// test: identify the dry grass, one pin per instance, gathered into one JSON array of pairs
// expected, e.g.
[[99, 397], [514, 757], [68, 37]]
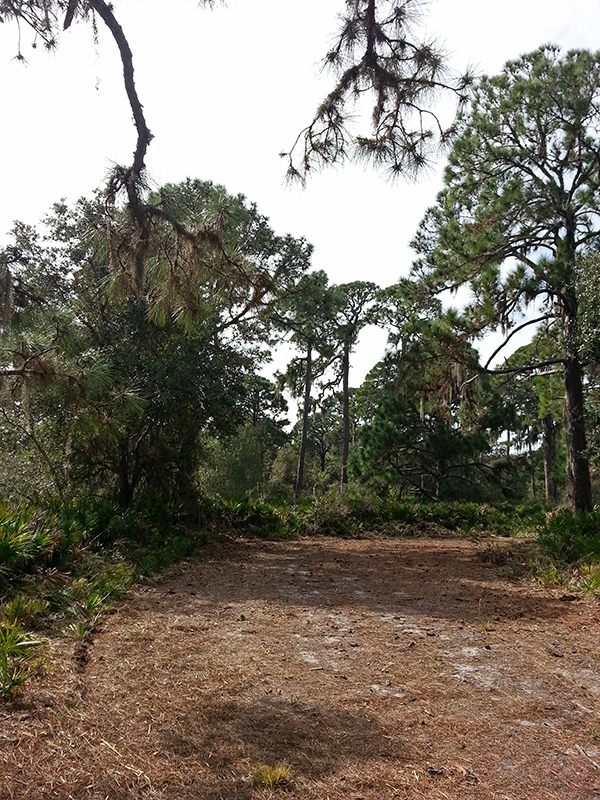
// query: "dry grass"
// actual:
[[373, 669]]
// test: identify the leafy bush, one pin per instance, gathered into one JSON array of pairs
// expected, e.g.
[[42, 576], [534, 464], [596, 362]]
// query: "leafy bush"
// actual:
[[569, 550], [24, 609], [356, 512]]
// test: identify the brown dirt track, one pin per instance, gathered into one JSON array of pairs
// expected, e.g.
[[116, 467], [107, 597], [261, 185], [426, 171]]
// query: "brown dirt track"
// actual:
[[376, 668]]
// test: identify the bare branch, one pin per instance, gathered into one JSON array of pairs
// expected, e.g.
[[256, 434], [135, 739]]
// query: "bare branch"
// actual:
[[512, 333]]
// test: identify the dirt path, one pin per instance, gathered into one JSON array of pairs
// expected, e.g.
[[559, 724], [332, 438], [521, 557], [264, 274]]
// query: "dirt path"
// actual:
[[376, 669]]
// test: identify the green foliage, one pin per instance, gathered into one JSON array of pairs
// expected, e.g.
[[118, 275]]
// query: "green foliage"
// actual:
[[239, 463], [425, 422], [17, 661], [98, 551], [569, 551], [519, 208], [588, 273], [357, 512], [275, 777], [589, 577], [571, 537], [116, 385], [254, 515], [24, 609], [24, 540]]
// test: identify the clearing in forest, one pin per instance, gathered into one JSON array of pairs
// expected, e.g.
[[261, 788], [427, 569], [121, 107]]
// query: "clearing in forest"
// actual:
[[373, 669]]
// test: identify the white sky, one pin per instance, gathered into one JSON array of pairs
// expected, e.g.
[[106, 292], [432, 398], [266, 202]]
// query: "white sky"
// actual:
[[224, 92]]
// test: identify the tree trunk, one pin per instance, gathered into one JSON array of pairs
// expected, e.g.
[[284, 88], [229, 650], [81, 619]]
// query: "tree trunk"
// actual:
[[346, 413], [125, 487], [532, 465], [322, 456], [305, 415], [578, 470], [549, 451]]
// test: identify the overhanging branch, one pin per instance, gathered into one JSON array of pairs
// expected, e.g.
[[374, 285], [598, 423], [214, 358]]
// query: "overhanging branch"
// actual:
[[512, 333], [132, 176]]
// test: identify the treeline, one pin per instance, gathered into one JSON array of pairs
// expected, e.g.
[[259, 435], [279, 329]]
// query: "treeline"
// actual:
[[133, 356]]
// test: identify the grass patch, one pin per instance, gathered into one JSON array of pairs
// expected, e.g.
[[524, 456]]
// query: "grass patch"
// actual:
[[276, 777], [25, 540], [572, 537]]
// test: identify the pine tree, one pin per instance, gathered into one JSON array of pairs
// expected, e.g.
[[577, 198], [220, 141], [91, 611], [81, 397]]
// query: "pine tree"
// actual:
[[521, 202]]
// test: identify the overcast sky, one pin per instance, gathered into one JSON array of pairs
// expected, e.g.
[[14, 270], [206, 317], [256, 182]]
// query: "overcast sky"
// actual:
[[224, 92]]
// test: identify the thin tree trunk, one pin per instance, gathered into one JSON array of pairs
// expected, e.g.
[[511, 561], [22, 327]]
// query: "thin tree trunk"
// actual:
[[125, 487], [532, 464], [322, 456], [305, 415], [548, 451], [346, 413]]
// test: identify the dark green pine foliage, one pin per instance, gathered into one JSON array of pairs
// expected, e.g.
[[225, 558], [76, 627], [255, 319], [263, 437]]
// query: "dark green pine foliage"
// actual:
[[388, 77], [520, 204], [424, 422]]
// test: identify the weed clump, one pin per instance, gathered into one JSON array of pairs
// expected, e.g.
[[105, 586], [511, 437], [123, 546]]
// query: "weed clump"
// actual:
[[275, 777]]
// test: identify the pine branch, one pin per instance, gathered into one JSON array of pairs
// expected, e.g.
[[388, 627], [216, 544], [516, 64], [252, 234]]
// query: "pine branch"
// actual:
[[513, 332]]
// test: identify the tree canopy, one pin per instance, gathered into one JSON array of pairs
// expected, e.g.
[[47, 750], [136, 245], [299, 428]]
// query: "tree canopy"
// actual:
[[134, 325]]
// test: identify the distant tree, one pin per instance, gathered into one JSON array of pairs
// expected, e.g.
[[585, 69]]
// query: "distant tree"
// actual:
[[306, 315], [353, 311], [241, 461], [588, 280], [521, 202], [325, 427], [535, 406], [424, 425], [589, 334], [263, 402]]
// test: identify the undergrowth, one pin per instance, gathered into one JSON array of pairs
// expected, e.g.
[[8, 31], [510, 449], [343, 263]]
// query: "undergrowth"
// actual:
[[355, 514], [17, 658], [570, 550], [63, 566]]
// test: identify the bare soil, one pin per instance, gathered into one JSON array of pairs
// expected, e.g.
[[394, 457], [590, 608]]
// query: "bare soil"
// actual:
[[375, 668]]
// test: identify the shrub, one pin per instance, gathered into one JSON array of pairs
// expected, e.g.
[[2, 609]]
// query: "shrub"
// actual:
[[24, 539], [17, 661], [572, 538]]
